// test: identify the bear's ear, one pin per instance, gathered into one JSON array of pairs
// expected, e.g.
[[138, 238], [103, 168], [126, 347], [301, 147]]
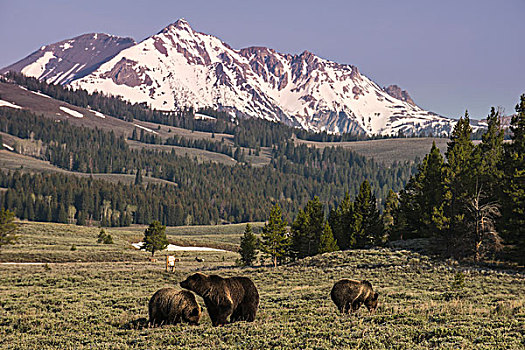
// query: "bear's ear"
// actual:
[[376, 295]]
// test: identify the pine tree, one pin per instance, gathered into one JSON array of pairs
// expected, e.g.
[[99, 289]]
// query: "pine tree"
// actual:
[[299, 235], [389, 216], [431, 192], [7, 227], [459, 186], [514, 170], [138, 177], [275, 240], [155, 238], [367, 224], [327, 242], [248, 249], [489, 157], [307, 229], [341, 221]]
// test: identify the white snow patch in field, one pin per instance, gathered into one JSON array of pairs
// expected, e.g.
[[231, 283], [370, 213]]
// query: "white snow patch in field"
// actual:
[[37, 68], [71, 112], [144, 128], [173, 248], [8, 147], [8, 104], [98, 114]]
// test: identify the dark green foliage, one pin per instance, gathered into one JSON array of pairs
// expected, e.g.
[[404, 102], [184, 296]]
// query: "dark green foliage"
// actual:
[[138, 177], [461, 201], [367, 223], [341, 221], [7, 227], [103, 237], [421, 198], [248, 247], [307, 229], [514, 174], [327, 243], [206, 192], [275, 241], [389, 217], [155, 238]]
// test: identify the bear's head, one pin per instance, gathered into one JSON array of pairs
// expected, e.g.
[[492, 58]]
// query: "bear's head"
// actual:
[[371, 302], [198, 283], [192, 315]]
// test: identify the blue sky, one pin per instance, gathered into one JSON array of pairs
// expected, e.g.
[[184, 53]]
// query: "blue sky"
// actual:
[[449, 55]]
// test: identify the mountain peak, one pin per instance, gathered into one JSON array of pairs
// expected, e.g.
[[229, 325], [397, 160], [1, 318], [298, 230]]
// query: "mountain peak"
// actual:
[[395, 91], [180, 67], [180, 24]]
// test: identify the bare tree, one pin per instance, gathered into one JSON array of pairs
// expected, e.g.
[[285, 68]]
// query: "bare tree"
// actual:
[[481, 218]]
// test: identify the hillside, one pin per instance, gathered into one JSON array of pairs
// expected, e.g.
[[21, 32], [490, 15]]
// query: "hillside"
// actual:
[[70, 59], [103, 303]]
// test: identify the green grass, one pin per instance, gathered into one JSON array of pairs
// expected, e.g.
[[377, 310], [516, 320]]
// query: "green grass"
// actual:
[[103, 305]]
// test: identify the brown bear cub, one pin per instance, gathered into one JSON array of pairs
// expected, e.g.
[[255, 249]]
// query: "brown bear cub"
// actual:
[[348, 295], [171, 306], [234, 297]]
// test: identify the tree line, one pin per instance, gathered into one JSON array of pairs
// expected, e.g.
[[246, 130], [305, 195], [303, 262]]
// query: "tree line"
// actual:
[[208, 192], [471, 201]]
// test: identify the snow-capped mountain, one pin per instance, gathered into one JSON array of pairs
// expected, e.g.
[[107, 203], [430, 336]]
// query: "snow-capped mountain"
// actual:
[[62, 62], [180, 67]]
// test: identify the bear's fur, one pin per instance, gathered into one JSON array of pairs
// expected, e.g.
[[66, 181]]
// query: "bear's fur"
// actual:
[[234, 297], [171, 306], [349, 295]]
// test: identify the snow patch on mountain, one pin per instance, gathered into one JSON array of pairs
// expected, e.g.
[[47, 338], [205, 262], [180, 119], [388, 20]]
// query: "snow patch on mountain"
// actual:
[[9, 104], [38, 68], [71, 112], [146, 129]]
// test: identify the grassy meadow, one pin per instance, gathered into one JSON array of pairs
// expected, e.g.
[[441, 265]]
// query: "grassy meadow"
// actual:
[[95, 296]]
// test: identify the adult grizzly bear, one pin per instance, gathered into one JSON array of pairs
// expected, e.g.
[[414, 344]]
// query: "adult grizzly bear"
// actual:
[[236, 297], [171, 306], [348, 295]]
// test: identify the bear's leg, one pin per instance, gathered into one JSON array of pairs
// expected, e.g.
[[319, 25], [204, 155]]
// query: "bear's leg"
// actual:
[[356, 304], [248, 312], [237, 314]]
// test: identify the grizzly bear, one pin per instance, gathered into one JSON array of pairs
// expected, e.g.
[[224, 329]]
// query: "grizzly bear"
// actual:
[[171, 306], [348, 295], [234, 297]]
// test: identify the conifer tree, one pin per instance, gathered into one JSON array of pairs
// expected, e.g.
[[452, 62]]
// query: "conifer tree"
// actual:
[[341, 221], [138, 177], [275, 240], [307, 229], [367, 224], [514, 168], [459, 186], [155, 238], [389, 216], [327, 242], [299, 235], [248, 249], [489, 157]]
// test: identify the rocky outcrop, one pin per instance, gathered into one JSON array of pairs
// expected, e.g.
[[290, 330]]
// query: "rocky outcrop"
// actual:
[[396, 92]]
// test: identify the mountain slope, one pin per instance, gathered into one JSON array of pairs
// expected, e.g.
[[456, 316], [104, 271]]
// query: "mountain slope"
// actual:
[[62, 62], [181, 67]]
